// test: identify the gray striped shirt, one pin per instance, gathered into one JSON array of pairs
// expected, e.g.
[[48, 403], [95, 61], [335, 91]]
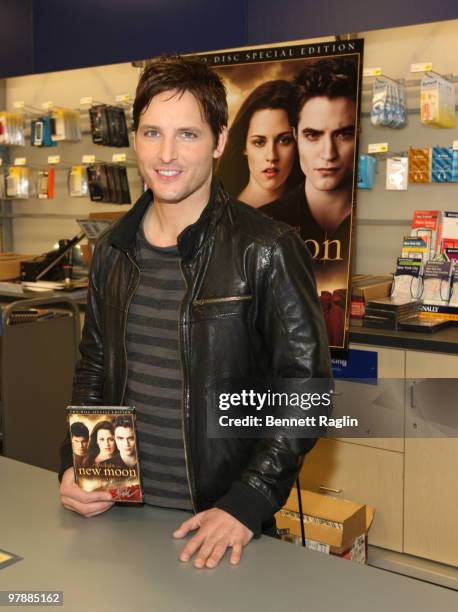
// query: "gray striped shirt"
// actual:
[[154, 378]]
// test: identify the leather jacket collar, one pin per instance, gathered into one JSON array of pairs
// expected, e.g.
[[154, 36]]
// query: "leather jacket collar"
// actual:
[[191, 239]]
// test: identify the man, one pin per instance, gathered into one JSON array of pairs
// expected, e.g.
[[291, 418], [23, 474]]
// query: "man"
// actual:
[[125, 442], [324, 116], [80, 438], [188, 288]]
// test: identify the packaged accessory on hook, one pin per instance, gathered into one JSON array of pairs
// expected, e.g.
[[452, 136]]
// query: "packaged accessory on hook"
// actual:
[[65, 125], [45, 184], [40, 133], [388, 104], [397, 170], [437, 101], [12, 129], [419, 165], [108, 126], [18, 183], [367, 165], [442, 165], [77, 182], [108, 183]]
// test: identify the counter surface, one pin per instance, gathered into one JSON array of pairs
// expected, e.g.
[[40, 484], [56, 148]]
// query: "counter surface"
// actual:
[[126, 559], [442, 341]]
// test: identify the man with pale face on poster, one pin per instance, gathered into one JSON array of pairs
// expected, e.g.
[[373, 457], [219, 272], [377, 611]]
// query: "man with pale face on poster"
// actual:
[[125, 443], [325, 116]]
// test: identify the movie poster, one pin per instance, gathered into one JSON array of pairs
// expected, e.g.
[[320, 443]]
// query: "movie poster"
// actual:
[[292, 151]]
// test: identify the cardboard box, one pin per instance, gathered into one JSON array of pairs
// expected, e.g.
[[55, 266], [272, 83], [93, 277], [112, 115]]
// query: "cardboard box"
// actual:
[[10, 265], [331, 525]]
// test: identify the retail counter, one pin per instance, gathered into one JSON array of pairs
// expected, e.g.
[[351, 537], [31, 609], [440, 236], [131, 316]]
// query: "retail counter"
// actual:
[[443, 341], [126, 559]]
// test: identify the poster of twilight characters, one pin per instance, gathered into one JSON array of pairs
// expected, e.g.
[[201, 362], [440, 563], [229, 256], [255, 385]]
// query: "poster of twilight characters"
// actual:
[[292, 151]]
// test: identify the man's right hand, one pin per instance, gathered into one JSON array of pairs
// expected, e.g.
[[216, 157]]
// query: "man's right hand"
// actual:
[[74, 498]]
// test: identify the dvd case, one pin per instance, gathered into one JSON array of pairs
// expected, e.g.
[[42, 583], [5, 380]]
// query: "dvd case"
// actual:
[[104, 445]]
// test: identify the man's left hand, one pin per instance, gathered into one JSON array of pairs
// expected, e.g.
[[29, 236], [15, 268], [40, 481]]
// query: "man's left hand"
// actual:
[[217, 530]]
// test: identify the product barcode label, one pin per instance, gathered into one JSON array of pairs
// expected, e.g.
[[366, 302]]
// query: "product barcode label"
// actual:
[[367, 72], [378, 147], [123, 98]]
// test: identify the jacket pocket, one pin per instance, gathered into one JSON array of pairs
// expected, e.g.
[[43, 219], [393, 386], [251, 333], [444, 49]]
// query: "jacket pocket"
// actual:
[[219, 307]]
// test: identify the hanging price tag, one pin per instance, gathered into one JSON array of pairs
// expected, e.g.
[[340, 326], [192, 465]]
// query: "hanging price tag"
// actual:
[[421, 67], [368, 72], [19, 104], [455, 145], [20, 161], [1, 162], [53, 159], [86, 100], [119, 157], [88, 159], [47, 105], [378, 147], [123, 98]]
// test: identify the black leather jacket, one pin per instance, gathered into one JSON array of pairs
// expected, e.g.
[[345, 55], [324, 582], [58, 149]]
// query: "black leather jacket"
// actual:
[[250, 309]]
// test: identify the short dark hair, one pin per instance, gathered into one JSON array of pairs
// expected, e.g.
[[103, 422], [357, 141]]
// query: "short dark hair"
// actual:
[[180, 74], [79, 430], [330, 78], [122, 421]]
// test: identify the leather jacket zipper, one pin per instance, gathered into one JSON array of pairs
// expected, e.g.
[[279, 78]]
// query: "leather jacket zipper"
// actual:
[[126, 311], [184, 382], [234, 298]]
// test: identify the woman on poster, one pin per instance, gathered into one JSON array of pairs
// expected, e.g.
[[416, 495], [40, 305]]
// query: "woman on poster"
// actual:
[[102, 444], [260, 163]]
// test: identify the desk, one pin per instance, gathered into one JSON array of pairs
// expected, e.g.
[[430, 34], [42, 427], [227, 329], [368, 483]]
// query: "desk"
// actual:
[[127, 560]]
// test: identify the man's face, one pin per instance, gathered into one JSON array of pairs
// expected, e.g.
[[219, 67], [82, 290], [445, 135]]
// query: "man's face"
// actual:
[[125, 441], [175, 148], [326, 141], [79, 445]]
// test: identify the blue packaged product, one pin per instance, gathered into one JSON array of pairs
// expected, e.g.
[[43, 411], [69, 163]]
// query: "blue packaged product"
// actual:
[[455, 167], [442, 165], [366, 171]]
